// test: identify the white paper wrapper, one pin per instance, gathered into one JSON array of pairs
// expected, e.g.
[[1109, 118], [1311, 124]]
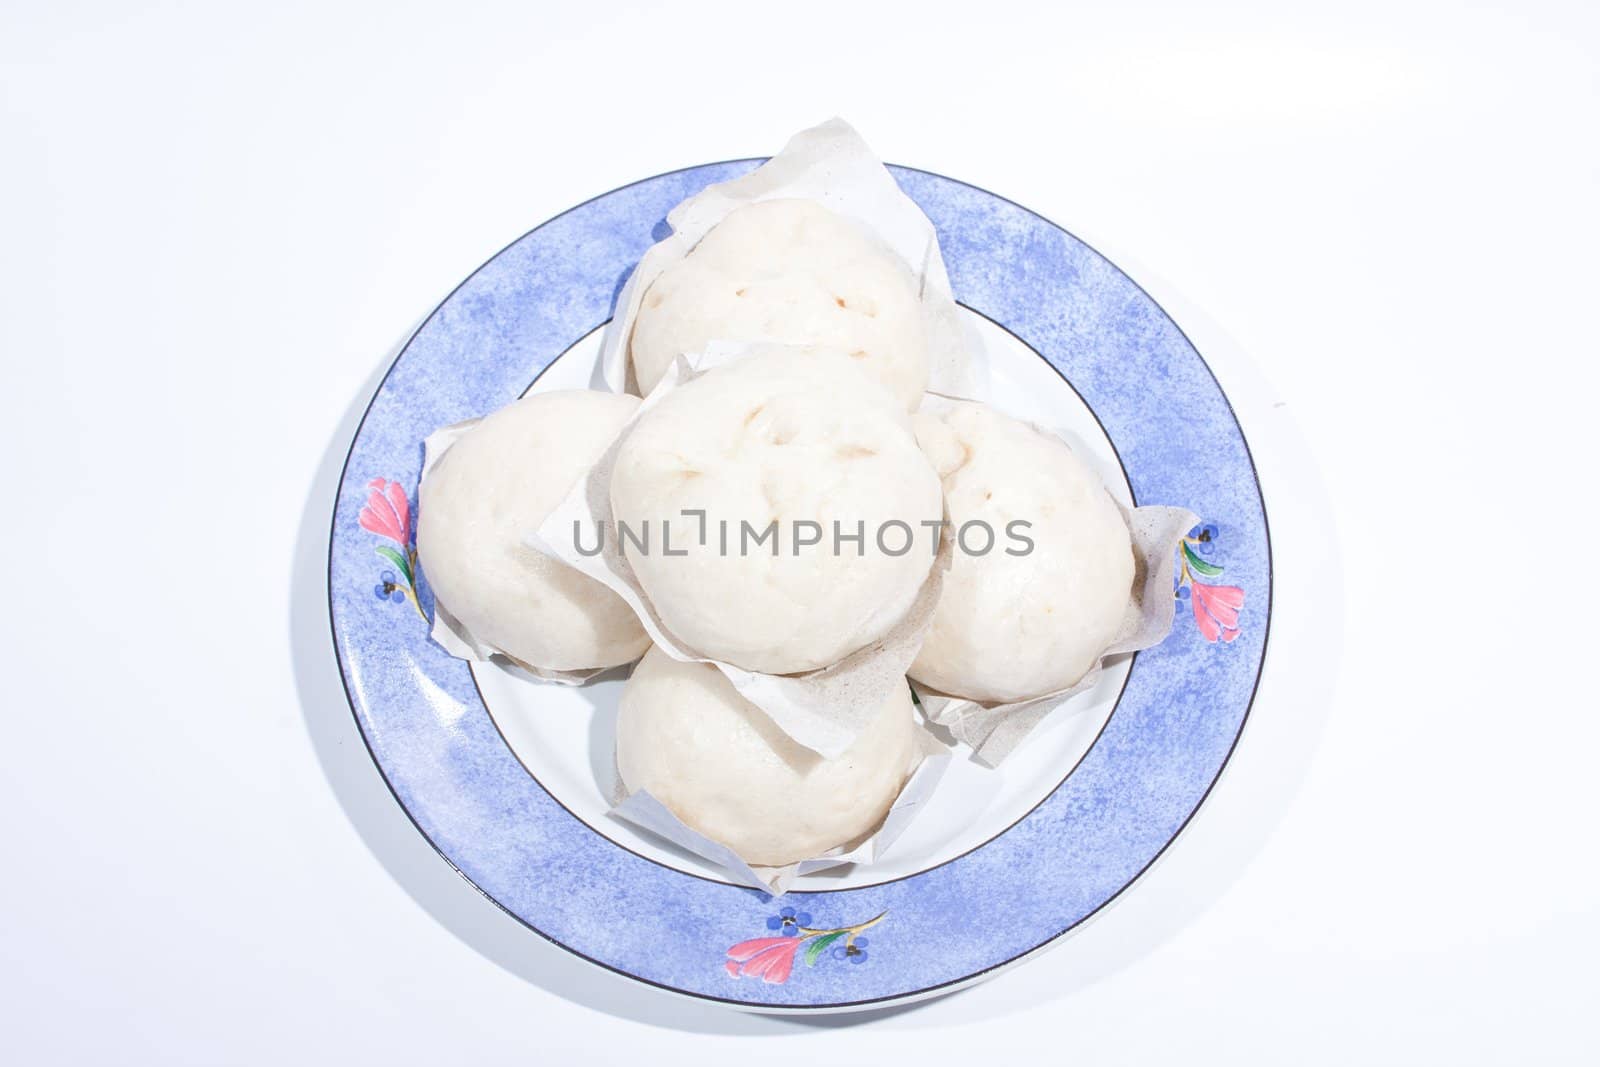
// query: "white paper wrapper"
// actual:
[[824, 709], [448, 632], [993, 730], [645, 811], [831, 165]]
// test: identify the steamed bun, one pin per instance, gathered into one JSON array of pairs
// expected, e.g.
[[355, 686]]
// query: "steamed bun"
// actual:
[[1012, 627], [789, 272], [725, 769], [776, 438], [496, 483]]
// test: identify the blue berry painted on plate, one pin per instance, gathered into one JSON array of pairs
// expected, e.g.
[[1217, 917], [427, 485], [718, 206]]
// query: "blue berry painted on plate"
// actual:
[[789, 921], [855, 952]]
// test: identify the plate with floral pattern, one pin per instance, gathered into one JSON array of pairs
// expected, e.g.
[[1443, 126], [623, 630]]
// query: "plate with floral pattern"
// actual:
[[507, 778]]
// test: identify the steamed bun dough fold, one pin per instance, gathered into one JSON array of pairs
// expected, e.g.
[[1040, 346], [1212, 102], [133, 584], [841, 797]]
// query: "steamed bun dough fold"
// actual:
[[777, 438], [1013, 627], [495, 483], [789, 272]]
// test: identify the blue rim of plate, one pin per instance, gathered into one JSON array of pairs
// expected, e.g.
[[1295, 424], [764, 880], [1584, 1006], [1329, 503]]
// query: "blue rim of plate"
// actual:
[[1180, 714]]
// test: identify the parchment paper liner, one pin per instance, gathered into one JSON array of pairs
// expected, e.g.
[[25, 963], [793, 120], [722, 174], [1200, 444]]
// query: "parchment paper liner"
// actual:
[[648, 813], [823, 709], [831, 165]]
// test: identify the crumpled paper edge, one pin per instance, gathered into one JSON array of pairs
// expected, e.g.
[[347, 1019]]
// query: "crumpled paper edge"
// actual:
[[824, 709], [994, 730], [646, 812], [832, 165], [449, 632]]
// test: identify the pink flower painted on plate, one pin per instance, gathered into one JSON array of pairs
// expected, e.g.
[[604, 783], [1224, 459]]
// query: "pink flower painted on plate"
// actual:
[[771, 959], [387, 513], [1216, 607], [1216, 610]]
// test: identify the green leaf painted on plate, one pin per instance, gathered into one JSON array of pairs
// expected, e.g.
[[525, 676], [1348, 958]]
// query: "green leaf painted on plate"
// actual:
[[1198, 565], [398, 560], [820, 945]]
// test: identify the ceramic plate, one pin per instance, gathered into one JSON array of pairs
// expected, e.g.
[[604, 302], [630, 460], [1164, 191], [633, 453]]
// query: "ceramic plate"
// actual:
[[509, 779]]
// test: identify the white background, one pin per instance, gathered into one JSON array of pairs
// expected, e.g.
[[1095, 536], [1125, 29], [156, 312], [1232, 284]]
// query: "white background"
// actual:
[[217, 224]]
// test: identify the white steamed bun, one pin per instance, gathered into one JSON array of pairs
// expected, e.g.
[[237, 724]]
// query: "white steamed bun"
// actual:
[[790, 272], [785, 438], [725, 769], [1008, 627], [496, 483]]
